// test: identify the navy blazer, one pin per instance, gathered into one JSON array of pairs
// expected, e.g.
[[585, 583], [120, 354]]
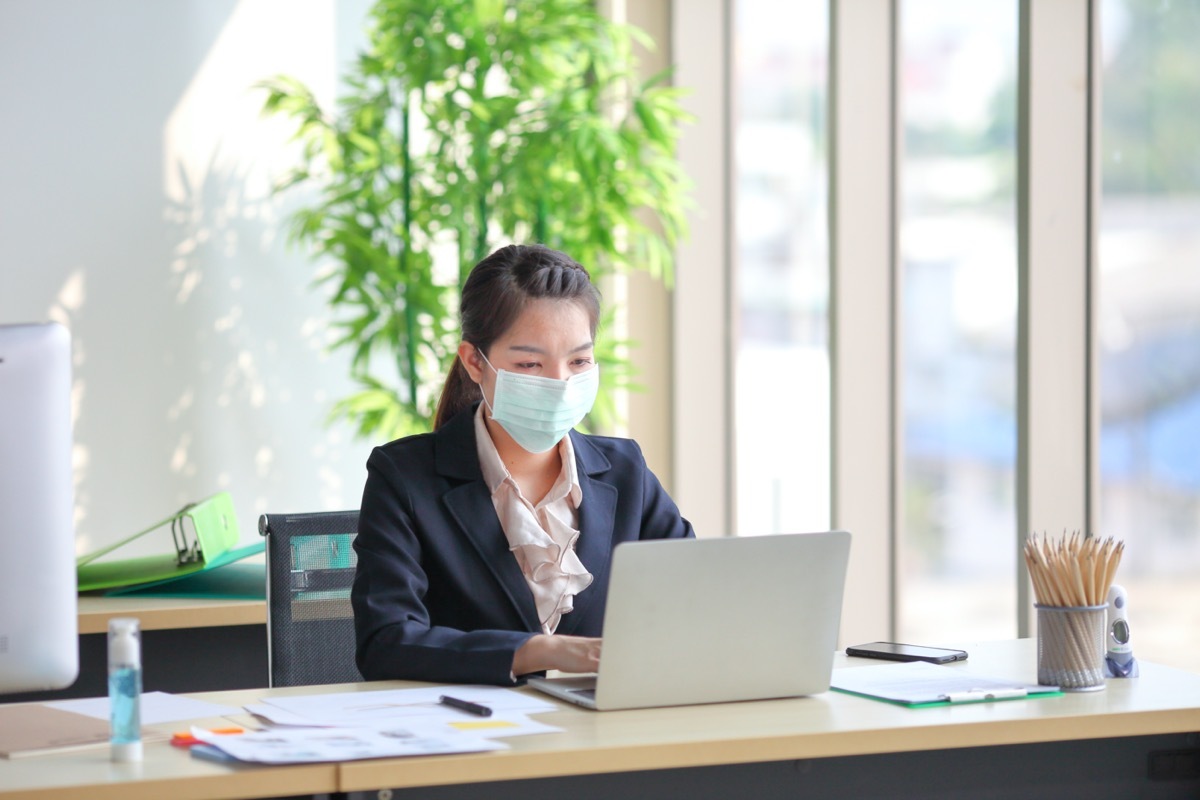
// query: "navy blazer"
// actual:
[[437, 594]]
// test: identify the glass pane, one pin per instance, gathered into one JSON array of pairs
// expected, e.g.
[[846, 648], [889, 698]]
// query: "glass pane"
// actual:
[[781, 252], [1149, 318], [957, 554]]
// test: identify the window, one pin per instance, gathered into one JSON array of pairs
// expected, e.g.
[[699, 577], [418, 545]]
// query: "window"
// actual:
[[780, 233], [956, 554], [949, 539], [1149, 317]]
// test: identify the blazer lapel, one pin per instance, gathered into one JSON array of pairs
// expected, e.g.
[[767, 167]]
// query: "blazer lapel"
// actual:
[[470, 504], [597, 513]]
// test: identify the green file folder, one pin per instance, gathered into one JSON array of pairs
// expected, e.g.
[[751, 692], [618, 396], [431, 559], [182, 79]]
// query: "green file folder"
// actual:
[[201, 535], [221, 577]]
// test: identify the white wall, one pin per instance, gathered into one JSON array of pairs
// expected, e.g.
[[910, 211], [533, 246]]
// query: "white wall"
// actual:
[[135, 207]]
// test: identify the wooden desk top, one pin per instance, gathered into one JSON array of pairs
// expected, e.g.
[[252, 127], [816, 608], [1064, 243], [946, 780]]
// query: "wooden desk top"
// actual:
[[165, 613], [1162, 700], [166, 772]]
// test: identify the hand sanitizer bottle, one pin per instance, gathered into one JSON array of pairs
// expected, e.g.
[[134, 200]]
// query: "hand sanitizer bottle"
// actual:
[[125, 688]]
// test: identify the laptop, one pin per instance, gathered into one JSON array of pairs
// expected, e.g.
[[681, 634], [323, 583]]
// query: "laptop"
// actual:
[[693, 621]]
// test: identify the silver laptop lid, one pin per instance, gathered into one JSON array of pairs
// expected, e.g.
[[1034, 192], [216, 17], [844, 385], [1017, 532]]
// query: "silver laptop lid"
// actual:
[[715, 620]]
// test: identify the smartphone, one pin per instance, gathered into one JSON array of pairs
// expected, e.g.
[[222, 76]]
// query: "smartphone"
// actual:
[[892, 651]]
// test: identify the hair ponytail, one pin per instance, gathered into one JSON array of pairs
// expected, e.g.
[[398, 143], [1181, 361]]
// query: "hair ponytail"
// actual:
[[458, 393]]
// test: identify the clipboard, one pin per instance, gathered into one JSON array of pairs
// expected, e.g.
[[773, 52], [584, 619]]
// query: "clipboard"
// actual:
[[200, 534], [922, 685]]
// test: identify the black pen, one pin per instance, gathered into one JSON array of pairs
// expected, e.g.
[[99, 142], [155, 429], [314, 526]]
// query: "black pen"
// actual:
[[465, 705]]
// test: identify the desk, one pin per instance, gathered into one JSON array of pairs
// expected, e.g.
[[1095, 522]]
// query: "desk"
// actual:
[[188, 645], [169, 613], [1095, 745]]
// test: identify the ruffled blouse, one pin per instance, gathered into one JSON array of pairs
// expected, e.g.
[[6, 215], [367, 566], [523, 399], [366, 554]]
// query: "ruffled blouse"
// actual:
[[543, 537]]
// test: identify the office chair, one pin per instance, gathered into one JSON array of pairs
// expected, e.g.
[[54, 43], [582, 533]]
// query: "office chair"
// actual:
[[310, 624]]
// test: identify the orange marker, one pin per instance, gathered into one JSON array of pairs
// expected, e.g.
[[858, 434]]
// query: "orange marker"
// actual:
[[186, 739]]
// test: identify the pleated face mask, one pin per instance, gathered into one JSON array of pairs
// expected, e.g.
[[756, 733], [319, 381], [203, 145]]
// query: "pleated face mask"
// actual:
[[538, 412]]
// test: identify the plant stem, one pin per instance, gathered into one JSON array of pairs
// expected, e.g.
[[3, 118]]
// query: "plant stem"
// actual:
[[410, 313], [482, 177]]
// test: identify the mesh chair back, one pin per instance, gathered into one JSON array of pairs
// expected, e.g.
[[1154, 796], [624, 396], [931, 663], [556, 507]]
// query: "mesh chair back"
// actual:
[[310, 624]]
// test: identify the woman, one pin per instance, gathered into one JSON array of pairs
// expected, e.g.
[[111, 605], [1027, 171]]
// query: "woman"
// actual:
[[484, 547]]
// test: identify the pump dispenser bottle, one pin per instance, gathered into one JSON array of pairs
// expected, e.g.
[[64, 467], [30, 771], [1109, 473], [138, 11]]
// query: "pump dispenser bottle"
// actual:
[[125, 688]]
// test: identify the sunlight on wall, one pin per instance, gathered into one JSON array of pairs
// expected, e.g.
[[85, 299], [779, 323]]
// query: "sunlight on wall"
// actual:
[[220, 160], [141, 217], [68, 302]]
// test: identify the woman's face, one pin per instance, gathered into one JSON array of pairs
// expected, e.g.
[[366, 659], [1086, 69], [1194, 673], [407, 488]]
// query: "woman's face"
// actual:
[[551, 339]]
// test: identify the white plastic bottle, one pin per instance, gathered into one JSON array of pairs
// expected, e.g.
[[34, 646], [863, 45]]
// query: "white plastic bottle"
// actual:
[[125, 688]]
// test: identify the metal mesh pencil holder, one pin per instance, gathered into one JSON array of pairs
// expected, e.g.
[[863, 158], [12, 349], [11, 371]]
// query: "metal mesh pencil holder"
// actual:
[[1071, 647]]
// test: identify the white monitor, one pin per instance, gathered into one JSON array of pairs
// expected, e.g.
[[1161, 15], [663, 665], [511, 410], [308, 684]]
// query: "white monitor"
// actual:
[[39, 645]]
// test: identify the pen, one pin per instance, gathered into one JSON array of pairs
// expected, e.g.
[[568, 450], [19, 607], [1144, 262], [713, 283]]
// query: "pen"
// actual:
[[976, 695], [465, 705]]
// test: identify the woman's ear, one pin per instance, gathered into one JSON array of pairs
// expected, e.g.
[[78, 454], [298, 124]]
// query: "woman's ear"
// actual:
[[468, 354]]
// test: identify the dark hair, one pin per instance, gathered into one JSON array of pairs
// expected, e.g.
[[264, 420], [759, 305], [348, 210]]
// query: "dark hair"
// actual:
[[495, 294]]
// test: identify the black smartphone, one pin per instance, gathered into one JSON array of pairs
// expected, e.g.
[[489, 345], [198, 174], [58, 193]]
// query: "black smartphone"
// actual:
[[891, 651]]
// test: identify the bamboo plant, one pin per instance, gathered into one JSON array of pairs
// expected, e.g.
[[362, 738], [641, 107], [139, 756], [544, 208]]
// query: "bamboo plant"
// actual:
[[465, 126]]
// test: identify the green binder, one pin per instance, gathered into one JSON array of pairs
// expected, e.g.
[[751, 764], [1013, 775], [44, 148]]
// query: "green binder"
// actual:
[[221, 577], [203, 537]]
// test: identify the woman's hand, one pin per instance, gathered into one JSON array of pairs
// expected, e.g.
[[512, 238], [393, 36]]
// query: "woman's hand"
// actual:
[[565, 653]]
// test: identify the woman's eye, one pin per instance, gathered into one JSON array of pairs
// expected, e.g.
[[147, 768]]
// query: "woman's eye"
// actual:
[[527, 365], [583, 362]]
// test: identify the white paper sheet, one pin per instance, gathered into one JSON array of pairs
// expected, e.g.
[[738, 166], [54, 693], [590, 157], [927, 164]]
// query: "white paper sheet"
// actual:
[[919, 682], [281, 717], [156, 707], [353, 709], [497, 726], [312, 745]]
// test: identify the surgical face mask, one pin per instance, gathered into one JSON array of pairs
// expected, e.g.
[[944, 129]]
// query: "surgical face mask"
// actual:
[[538, 412]]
